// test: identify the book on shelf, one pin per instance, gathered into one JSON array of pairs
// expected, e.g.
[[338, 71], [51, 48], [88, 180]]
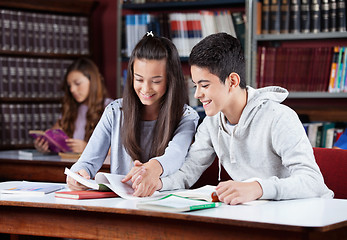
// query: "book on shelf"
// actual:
[[239, 24], [295, 16], [275, 18], [341, 15], [174, 203], [333, 15], [316, 16], [56, 139], [85, 194], [265, 17], [305, 16], [325, 15], [32, 189], [284, 15], [107, 182]]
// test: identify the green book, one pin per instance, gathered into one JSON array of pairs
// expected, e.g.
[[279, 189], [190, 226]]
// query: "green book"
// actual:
[[174, 203]]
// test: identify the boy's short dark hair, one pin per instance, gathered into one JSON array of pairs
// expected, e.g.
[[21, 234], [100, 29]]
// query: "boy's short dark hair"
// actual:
[[221, 54]]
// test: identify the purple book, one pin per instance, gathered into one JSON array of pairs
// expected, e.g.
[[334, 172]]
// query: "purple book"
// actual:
[[55, 137]]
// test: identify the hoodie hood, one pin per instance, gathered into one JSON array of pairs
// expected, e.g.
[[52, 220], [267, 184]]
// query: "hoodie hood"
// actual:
[[255, 100]]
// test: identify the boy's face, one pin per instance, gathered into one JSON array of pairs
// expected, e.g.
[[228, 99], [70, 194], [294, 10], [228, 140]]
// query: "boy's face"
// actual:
[[211, 92]]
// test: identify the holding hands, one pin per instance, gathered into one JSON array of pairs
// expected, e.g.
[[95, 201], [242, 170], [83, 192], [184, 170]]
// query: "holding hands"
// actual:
[[145, 177]]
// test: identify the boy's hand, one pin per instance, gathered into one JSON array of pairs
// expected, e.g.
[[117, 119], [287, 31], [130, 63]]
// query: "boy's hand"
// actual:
[[145, 178], [231, 192], [74, 185]]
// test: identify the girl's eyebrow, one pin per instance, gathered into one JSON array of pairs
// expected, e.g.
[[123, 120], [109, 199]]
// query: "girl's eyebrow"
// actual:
[[138, 75]]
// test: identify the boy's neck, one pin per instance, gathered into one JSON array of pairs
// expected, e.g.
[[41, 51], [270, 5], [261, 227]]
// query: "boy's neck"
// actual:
[[238, 101]]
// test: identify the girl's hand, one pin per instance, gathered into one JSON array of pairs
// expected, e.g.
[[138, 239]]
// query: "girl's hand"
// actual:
[[74, 185], [231, 192], [76, 145], [41, 145]]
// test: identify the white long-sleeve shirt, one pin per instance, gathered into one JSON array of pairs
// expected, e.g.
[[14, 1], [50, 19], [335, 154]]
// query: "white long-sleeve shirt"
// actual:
[[108, 134], [269, 143]]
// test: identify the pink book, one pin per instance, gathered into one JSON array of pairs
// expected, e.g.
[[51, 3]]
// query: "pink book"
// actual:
[[56, 139]]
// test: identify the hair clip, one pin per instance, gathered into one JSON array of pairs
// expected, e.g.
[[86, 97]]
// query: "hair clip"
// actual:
[[150, 34]]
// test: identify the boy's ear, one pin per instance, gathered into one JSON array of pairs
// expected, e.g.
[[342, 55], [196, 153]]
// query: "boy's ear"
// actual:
[[233, 80]]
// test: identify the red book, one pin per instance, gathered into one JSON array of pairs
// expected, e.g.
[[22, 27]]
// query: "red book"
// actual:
[[86, 194]]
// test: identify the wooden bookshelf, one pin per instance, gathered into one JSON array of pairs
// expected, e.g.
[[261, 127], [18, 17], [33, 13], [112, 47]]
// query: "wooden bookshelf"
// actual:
[[39, 39]]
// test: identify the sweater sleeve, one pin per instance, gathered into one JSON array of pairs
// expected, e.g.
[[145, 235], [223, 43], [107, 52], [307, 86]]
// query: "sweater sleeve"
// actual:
[[290, 142], [96, 150], [177, 149], [200, 156]]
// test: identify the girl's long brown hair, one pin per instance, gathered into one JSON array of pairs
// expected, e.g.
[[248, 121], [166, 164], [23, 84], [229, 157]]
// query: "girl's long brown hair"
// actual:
[[172, 103], [95, 100]]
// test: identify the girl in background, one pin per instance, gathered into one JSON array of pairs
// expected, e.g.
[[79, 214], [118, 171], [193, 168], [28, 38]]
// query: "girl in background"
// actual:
[[151, 125], [82, 106]]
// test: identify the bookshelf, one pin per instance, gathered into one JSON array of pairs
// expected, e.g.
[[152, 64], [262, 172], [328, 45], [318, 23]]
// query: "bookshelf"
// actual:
[[39, 39], [167, 8], [317, 104]]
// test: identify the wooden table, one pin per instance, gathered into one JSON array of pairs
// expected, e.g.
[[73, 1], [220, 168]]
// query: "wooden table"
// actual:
[[45, 168], [116, 218]]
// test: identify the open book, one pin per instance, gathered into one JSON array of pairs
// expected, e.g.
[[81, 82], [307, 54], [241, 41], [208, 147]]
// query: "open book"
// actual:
[[106, 182], [174, 203], [56, 139]]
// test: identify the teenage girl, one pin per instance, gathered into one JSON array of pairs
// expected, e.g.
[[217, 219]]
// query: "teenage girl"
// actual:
[[151, 125]]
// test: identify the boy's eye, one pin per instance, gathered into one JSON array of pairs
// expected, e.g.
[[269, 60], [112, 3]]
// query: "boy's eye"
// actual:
[[205, 86]]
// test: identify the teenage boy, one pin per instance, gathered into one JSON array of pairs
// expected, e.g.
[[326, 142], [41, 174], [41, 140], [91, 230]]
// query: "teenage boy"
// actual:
[[260, 142]]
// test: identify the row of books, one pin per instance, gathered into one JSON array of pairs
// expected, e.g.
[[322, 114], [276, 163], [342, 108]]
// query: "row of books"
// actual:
[[299, 68], [338, 75], [184, 29], [43, 33], [32, 77], [17, 119], [301, 16], [324, 134], [155, 1]]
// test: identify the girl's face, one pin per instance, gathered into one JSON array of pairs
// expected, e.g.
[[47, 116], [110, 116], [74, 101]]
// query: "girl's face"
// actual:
[[150, 81], [78, 85]]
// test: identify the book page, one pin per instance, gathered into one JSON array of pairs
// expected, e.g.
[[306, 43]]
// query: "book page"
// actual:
[[86, 182], [203, 193]]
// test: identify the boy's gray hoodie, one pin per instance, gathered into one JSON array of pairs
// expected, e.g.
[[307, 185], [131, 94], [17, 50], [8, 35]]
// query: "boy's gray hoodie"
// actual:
[[268, 144]]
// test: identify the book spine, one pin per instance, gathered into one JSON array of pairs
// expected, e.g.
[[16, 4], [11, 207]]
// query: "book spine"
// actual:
[[275, 19], [284, 16], [316, 16], [333, 7], [305, 16], [265, 20], [294, 16], [325, 16], [341, 15], [2, 62], [333, 69]]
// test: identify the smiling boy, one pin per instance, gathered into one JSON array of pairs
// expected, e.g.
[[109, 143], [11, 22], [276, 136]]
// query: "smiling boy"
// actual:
[[259, 141]]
